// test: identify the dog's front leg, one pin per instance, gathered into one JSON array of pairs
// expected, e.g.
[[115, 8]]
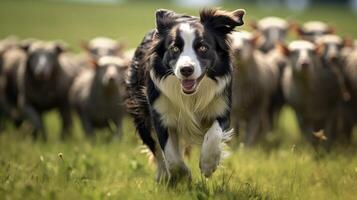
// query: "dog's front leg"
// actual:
[[170, 145], [211, 150]]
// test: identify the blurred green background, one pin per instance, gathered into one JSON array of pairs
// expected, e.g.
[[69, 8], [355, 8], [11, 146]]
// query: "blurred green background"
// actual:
[[128, 21]]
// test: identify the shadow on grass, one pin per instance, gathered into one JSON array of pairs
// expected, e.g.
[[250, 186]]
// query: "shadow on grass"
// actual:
[[221, 188]]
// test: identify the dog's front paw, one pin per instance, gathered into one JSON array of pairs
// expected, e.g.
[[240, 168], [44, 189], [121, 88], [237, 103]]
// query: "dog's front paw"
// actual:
[[209, 163], [211, 150]]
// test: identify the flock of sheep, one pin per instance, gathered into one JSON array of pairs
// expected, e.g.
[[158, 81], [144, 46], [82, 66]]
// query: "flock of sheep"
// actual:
[[37, 76], [316, 75]]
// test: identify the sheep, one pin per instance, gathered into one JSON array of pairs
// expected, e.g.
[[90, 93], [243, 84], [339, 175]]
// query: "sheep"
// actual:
[[2, 92], [12, 59], [98, 47], [7, 43], [253, 84], [273, 30], [350, 74], [277, 61], [43, 84], [311, 30], [96, 94], [312, 90], [332, 50], [103, 46]]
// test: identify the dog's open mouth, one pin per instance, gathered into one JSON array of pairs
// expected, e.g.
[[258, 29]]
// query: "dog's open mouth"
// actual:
[[188, 86]]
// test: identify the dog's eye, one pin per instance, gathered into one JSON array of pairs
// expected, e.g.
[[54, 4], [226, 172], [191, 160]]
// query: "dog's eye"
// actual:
[[202, 49], [175, 49]]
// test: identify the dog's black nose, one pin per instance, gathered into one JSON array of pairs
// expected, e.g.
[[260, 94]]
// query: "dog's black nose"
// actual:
[[186, 71]]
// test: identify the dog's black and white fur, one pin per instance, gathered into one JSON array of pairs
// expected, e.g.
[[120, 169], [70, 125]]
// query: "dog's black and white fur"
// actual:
[[180, 84]]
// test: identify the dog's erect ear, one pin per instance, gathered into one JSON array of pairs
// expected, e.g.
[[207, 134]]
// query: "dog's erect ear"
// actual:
[[164, 20], [221, 21]]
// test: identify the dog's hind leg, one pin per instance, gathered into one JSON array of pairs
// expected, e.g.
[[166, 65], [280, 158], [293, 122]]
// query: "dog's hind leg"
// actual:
[[143, 127]]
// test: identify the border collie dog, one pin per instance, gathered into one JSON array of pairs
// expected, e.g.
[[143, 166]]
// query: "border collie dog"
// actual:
[[179, 84]]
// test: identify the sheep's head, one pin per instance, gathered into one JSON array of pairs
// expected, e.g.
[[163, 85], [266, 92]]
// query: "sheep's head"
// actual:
[[330, 47], [102, 46], [302, 55], [110, 71], [42, 59], [313, 29], [243, 44], [273, 30]]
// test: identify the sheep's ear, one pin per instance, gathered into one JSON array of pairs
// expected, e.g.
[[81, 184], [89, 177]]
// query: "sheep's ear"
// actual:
[[297, 29], [84, 45], [283, 48], [121, 46], [292, 25], [25, 44], [256, 39], [93, 63], [25, 47], [331, 30], [253, 25], [61, 46], [221, 21], [165, 19], [347, 42], [319, 48]]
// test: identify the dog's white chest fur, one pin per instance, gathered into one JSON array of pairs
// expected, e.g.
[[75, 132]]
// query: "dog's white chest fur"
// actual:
[[190, 115]]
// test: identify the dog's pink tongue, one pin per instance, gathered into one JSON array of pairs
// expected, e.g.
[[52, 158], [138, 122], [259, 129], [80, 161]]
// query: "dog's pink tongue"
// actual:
[[188, 84]]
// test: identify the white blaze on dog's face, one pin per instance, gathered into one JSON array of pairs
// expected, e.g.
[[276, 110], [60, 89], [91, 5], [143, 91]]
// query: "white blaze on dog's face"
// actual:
[[190, 52], [187, 67]]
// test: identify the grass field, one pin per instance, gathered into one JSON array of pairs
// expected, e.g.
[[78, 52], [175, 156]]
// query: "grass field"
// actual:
[[284, 167]]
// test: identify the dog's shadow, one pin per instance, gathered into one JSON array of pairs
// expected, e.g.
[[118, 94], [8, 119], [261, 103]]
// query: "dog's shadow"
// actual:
[[223, 186]]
